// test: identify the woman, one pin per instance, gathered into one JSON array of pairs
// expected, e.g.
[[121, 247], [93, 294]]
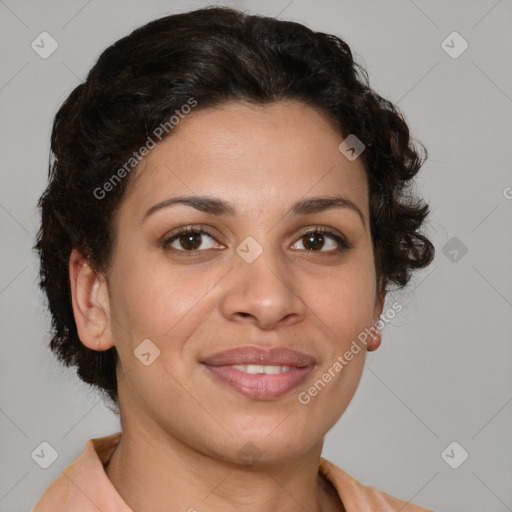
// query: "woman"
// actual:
[[228, 206]]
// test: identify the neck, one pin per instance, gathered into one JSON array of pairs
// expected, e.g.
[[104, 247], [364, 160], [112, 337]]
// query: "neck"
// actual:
[[153, 472]]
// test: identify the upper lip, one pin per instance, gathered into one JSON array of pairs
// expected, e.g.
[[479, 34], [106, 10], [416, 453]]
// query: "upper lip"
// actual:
[[279, 356]]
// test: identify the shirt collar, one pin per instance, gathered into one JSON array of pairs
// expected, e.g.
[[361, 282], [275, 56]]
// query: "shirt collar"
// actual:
[[91, 489]]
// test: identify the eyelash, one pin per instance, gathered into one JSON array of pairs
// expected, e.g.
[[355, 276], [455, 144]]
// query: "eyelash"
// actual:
[[344, 245]]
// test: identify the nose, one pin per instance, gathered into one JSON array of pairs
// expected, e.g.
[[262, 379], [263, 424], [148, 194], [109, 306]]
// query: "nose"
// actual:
[[264, 292]]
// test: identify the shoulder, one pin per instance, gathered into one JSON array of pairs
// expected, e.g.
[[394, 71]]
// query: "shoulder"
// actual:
[[54, 497], [84, 477], [354, 494]]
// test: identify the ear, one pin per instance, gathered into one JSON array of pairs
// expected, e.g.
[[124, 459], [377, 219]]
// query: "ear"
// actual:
[[376, 337], [91, 305]]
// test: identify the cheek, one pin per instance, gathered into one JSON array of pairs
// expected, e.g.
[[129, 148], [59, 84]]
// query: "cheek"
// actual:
[[156, 302], [149, 304], [347, 305]]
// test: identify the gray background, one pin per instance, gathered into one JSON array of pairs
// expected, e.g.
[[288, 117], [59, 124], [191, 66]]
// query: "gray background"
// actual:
[[443, 372]]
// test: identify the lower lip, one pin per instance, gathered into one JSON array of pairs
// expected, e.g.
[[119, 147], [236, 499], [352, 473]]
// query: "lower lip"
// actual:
[[260, 386]]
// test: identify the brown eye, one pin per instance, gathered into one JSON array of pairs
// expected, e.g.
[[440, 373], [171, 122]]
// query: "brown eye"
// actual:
[[315, 241], [188, 240]]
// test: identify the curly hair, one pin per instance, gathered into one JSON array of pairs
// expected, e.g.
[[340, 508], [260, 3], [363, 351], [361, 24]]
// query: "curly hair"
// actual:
[[214, 55]]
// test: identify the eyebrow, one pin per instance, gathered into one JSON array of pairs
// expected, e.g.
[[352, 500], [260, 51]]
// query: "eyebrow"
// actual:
[[220, 207]]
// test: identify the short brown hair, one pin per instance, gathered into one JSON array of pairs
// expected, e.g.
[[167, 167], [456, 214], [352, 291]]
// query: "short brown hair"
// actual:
[[214, 55]]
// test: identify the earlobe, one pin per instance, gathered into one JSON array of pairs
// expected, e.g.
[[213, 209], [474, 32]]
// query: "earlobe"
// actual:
[[376, 336], [90, 303], [375, 340]]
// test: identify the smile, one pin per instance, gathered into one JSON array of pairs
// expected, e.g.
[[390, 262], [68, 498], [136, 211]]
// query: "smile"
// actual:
[[259, 382], [256, 368]]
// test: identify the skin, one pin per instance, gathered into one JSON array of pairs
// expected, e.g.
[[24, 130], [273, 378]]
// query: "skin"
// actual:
[[182, 430]]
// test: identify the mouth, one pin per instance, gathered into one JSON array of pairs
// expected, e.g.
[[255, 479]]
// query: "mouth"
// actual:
[[260, 374]]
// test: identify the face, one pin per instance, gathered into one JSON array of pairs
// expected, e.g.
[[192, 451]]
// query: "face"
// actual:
[[258, 274]]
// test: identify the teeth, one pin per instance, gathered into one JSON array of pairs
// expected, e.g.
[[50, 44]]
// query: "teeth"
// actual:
[[257, 368]]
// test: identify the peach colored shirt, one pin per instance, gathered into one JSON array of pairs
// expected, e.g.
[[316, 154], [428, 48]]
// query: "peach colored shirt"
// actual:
[[84, 486]]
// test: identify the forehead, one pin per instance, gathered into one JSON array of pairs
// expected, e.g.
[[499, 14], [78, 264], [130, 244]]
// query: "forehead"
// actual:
[[253, 156]]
